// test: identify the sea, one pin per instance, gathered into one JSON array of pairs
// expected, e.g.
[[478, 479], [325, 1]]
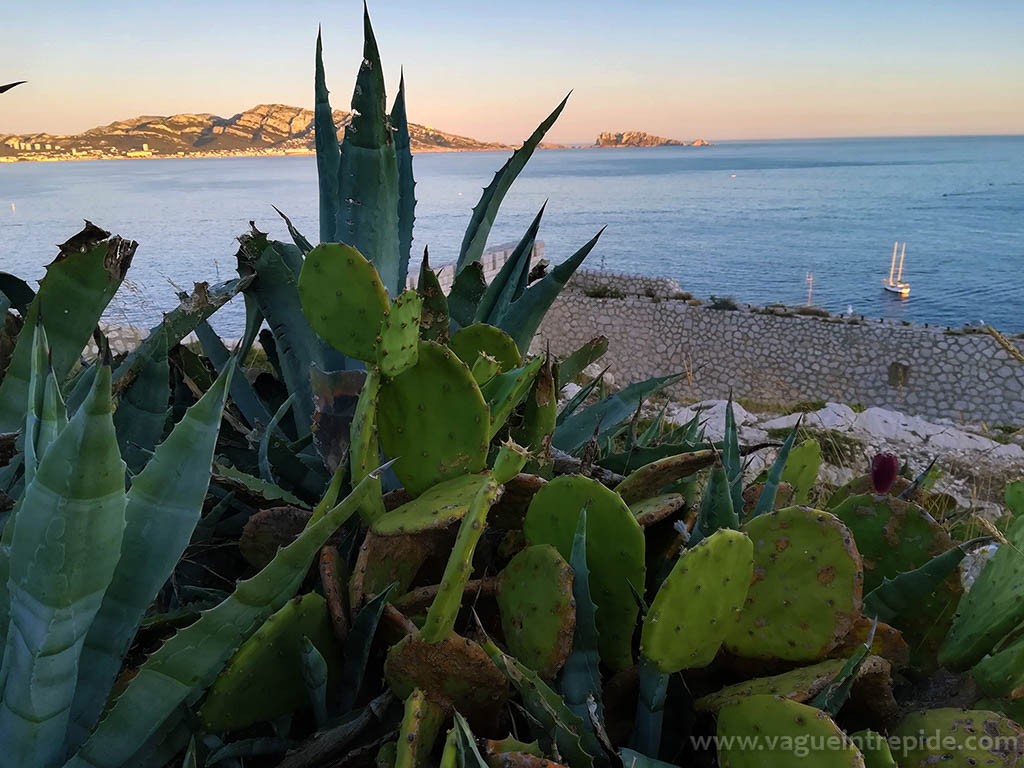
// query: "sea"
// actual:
[[754, 221]]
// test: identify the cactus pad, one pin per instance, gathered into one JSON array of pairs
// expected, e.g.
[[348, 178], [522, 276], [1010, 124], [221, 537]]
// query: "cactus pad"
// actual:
[[420, 725], [887, 643], [485, 368], [651, 478], [992, 607], [657, 508], [788, 734], [956, 738], [1002, 673], [891, 535], [433, 419], [538, 615], [398, 347], [480, 338], [384, 560], [875, 749], [437, 508], [452, 673], [615, 553], [698, 602], [801, 470], [263, 679], [343, 299], [806, 592], [801, 684], [507, 390]]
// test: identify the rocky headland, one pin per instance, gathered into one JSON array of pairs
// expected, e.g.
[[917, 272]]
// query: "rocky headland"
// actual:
[[642, 139], [267, 129]]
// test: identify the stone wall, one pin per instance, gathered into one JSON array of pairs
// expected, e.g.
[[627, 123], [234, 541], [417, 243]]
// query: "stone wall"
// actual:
[[775, 355]]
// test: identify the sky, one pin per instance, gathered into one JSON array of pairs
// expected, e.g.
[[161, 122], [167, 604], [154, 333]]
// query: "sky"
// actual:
[[732, 69]]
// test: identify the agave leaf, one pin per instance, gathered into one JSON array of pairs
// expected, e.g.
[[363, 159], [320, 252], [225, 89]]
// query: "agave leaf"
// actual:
[[581, 674], [65, 546], [38, 375], [524, 317], [510, 281], [163, 508], [633, 759], [578, 399], [328, 153], [314, 674], [434, 320], [369, 187], [731, 457], [297, 237], [766, 501], [18, 293], [716, 509], [831, 699], [242, 394], [77, 287], [905, 595], [142, 408], [177, 324], [573, 365], [608, 414], [468, 755], [194, 657], [406, 182], [263, 453], [467, 290], [357, 646], [486, 210]]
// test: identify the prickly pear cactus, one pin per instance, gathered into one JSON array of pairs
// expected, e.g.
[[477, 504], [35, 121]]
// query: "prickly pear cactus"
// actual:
[[264, 677], [442, 505], [538, 614], [801, 684], [959, 738], [384, 560], [888, 642], [507, 390], [455, 672], [343, 299], [651, 478], [991, 608], [698, 603], [398, 348], [801, 470], [540, 416], [433, 419], [806, 591], [1002, 673], [485, 368], [473, 340], [892, 535], [420, 725], [657, 508], [788, 734], [875, 749], [615, 553]]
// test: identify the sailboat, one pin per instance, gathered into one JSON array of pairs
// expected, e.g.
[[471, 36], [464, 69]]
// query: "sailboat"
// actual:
[[896, 285]]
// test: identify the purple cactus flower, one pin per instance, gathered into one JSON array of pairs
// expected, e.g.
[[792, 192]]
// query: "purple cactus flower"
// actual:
[[884, 469]]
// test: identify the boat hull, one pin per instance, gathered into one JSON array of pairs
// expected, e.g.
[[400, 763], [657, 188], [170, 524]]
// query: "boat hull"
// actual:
[[901, 289]]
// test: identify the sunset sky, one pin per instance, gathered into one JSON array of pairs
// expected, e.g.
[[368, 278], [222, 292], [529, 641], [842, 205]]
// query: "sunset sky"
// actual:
[[733, 69]]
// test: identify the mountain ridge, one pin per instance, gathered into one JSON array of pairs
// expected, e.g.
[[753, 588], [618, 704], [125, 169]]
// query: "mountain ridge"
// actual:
[[266, 129]]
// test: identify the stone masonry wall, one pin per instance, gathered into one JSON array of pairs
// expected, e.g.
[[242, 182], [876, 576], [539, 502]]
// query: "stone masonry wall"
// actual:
[[774, 355]]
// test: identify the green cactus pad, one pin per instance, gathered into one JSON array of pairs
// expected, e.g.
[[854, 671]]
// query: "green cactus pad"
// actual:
[[439, 507], [452, 673], [888, 642], [801, 684], [958, 738], [891, 535], [806, 592], [343, 299], [398, 348], [509, 462], [507, 390], [698, 603], [615, 553], [484, 369], [540, 417], [788, 734], [480, 338], [434, 420], [263, 679], [992, 607], [1002, 673], [421, 723], [875, 749], [651, 478], [1012, 708], [657, 508], [801, 470], [538, 615]]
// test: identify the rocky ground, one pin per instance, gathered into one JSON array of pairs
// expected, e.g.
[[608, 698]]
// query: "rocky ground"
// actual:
[[975, 462]]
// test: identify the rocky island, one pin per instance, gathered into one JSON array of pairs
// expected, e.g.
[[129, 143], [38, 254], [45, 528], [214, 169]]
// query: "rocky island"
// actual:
[[267, 129], [642, 139]]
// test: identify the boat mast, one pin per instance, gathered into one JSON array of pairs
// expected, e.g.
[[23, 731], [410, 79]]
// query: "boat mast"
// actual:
[[892, 265], [899, 277]]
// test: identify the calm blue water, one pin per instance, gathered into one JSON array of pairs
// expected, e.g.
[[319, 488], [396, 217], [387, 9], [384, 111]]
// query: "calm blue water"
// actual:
[[748, 220]]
